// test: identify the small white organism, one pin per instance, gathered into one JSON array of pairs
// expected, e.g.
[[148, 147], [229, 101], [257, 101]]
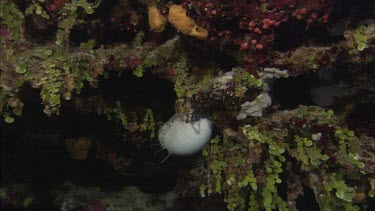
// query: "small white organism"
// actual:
[[316, 137], [256, 107], [184, 137]]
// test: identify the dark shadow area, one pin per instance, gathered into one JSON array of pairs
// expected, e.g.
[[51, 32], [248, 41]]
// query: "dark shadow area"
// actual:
[[343, 13], [291, 92], [353, 10], [34, 150], [296, 32], [307, 201], [148, 91]]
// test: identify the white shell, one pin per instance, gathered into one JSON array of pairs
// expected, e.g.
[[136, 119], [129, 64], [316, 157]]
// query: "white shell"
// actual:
[[181, 138]]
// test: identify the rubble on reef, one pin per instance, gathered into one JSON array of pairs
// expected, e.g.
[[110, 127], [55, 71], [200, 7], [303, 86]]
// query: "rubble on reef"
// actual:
[[106, 75], [129, 198]]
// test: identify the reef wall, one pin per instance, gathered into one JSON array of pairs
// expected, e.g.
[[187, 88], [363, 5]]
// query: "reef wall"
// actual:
[[289, 86]]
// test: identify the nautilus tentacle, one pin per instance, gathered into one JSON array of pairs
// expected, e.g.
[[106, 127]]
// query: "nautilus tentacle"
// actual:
[[169, 154]]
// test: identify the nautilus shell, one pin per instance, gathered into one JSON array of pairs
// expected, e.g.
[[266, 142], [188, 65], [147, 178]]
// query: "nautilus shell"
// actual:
[[185, 138]]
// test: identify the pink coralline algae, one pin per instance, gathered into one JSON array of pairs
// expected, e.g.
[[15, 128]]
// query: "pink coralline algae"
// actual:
[[4, 32], [55, 5], [95, 205], [251, 25]]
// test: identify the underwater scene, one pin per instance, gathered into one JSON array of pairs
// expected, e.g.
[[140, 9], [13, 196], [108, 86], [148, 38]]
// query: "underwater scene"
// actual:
[[187, 105]]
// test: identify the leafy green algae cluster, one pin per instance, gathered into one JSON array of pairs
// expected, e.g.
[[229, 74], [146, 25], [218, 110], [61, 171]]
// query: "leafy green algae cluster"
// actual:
[[51, 67], [130, 121], [306, 147], [57, 67], [12, 17]]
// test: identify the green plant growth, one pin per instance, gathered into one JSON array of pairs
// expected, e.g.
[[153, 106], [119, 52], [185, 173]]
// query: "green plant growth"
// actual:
[[249, 171], [360, 38], [148, 123], [181, 71], [244, 81], [12, 18], [56, 73], [37, 8], [69, 17], [115, 113], [138, 71], [186, 86]]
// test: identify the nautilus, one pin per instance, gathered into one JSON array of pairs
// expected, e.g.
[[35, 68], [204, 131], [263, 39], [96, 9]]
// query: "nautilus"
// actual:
[[185, 137]]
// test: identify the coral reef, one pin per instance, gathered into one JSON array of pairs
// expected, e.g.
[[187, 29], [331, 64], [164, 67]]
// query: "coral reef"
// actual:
[[90, 83], [129, 198], [256, 163]]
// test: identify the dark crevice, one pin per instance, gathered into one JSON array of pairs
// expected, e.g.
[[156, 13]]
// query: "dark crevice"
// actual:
[[42, 160], [296, 33], [204, 55], [353, 10], [291, 92], [343, 14], [148, 91], [305, 202]]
